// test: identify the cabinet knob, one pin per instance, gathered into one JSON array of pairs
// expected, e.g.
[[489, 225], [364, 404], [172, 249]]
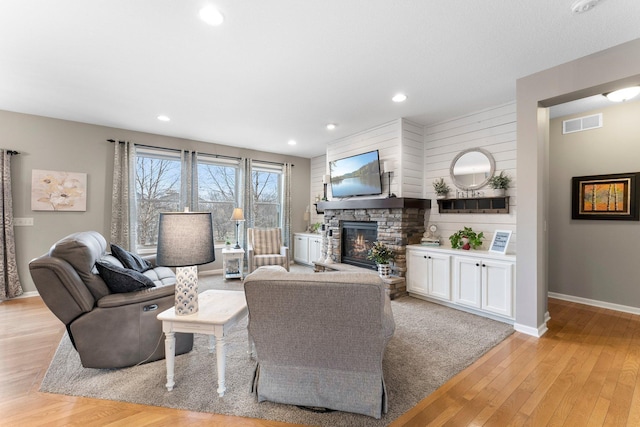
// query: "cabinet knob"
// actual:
[[429, 256], [424, 256], [483, 265], [477, 264]]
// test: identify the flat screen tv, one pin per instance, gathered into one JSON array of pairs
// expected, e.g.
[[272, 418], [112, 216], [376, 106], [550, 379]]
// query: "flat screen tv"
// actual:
[[357, 175]]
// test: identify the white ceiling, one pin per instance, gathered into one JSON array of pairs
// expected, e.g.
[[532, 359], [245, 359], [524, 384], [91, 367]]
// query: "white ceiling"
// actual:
[[282, 69]]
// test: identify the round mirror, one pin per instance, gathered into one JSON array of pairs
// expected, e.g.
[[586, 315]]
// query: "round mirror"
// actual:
[[472, 168]]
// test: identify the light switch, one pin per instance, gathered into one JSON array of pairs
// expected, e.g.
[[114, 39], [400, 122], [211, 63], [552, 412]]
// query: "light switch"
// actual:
[[22, 222]]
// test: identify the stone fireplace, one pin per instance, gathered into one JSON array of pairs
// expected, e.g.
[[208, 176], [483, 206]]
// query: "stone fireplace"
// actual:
[[399, 221]]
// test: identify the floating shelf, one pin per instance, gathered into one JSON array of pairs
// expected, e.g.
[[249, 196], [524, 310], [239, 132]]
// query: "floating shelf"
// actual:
[[495, 205]]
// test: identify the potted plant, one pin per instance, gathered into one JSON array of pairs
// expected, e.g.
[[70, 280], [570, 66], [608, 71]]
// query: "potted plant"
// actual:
[[381, 255], [227, 244], [466, 239], [500, 183], [441, 188]]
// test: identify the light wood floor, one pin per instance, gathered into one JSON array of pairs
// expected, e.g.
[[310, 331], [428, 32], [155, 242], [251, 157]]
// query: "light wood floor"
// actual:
[[583, 372]]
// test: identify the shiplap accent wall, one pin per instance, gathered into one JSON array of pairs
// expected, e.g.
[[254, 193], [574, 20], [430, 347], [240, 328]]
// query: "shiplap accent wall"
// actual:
[[318, 169], [493, 129], [400, 144]]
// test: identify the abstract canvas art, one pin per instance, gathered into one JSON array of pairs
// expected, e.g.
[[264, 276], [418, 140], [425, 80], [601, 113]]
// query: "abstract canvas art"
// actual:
[[58, 191], [612, 197]]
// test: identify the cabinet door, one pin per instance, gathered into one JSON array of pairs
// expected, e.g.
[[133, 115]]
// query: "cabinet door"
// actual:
[[439, 275], [417, 271], [301, 249], [467, 278], [315, 249], [497, 287]]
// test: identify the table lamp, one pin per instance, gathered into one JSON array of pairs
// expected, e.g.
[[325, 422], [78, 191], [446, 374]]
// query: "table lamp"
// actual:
[[185, 240], [237, 216]]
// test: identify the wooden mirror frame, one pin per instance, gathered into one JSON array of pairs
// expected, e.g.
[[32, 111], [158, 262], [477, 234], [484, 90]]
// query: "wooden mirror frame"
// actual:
[[492, 169]]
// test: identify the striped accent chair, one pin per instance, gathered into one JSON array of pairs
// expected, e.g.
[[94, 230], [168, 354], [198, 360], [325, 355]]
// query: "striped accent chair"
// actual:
[[265, 248]]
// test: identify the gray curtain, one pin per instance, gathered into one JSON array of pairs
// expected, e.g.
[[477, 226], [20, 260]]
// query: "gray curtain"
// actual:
[[247, 200], [10, 286], [286, 205], [123, 206], [189, 180]]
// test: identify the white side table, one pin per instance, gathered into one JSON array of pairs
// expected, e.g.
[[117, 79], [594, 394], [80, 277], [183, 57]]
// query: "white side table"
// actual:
[[233, 263], [218, 312]]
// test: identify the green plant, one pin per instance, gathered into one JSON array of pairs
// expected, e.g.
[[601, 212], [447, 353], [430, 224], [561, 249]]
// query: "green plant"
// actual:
[[227, 242], [500, 182], [475, 240], [380, 253], [441, 188], [313, 228]]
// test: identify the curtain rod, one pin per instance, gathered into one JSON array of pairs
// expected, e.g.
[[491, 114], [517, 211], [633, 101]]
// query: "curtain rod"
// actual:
[[216, 155]]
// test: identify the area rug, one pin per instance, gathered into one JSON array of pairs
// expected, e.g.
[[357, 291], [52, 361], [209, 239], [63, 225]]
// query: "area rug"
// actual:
[[431, 344]]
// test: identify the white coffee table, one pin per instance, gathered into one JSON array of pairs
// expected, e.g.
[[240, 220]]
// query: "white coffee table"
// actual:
[[218, 312]]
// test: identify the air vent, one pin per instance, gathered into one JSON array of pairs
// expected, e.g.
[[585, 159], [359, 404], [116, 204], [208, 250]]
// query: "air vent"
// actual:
[[582, 123]]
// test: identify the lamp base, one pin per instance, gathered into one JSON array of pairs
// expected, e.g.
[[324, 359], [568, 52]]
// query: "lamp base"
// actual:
[[186, 290]]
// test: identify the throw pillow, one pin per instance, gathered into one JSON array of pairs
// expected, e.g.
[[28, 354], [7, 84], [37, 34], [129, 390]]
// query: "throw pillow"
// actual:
[[129, 260], [121, 280]]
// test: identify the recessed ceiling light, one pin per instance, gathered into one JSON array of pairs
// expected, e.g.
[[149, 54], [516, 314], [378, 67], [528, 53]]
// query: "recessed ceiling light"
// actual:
[[163, 118], [401, 97], [292, 142], [623, 94], [580, 6], [332, 126], [211, 15]]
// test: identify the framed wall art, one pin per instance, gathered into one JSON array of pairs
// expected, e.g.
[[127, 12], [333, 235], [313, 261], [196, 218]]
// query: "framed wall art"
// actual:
[[608, 197], [58, 191]]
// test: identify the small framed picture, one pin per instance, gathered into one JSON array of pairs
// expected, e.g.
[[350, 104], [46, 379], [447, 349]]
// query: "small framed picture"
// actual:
[[500, 241]]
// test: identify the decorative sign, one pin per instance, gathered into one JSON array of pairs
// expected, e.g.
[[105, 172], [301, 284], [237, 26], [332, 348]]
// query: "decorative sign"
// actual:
[[500, 241]]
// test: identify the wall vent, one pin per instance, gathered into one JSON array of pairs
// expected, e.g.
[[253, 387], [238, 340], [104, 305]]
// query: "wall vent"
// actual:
[[582, 123]]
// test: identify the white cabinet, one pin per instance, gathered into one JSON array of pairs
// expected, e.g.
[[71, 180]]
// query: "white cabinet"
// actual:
[[486, 284], [479, 281], [301, 248], [307, 248], [429, 273]]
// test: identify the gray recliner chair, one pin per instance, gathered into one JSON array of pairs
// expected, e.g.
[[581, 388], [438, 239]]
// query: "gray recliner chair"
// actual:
[[109, 330]]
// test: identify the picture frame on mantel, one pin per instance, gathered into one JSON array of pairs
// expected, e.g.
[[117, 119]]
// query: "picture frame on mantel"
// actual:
[[605, 197]]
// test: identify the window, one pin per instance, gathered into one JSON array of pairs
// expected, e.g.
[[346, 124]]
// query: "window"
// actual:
[[218, 184], [266, 182], [157, 189]]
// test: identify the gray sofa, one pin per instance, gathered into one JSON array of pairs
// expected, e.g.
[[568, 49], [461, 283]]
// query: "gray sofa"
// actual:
[[109, 330], [320, 338]]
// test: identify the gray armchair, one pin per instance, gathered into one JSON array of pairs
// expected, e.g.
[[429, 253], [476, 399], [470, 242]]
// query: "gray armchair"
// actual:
[[109, 330], [320, 338]]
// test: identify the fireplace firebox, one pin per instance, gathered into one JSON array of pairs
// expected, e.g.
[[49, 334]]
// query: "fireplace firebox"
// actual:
[[357, 238]]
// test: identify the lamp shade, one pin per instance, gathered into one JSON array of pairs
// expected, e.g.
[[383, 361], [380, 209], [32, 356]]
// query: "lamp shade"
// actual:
[[326, 179], [185, 239], [237, 215]]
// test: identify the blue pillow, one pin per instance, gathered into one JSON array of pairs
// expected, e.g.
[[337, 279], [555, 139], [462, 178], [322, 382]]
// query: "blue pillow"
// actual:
[[129, 260], [121, 280]]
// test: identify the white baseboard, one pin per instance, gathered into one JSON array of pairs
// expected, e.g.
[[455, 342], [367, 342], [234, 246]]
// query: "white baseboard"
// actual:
[[540, 331], [26, 295], [595, 303]]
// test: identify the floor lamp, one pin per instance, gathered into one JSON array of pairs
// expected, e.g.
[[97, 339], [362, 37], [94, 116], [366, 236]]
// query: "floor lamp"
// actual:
[[237, 216], [185, 240]]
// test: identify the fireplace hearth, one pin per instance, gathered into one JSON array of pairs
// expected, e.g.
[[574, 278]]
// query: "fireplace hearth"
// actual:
[[357, 238]]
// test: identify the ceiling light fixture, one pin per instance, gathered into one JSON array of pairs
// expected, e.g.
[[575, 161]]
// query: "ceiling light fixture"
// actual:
[[331, 126], [401, 97], [291, 142], [211, 15], [580, 6], [623, 94], [163, 118]]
